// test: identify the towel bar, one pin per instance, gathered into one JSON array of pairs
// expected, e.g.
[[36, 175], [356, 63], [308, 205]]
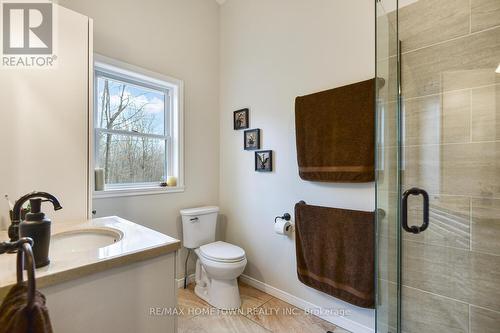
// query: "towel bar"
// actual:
[[380, 212], [23, 245]]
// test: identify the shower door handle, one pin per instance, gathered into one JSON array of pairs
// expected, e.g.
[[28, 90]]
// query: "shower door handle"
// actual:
[[404, 206]]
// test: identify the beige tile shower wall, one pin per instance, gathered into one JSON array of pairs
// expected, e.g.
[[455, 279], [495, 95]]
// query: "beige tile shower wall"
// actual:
[[451, 93]]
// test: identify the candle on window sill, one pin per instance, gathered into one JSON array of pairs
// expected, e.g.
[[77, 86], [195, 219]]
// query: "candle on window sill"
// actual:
[[172, 181], [99, 179]]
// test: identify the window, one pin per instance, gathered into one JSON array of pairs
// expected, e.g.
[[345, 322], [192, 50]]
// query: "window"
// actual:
[[137, 141]]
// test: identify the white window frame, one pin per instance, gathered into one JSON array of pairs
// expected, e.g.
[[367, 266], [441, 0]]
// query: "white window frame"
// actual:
[[174, 89]]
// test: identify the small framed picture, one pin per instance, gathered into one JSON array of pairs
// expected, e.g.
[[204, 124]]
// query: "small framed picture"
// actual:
[[252, 139], [240, 119], [264, 161]]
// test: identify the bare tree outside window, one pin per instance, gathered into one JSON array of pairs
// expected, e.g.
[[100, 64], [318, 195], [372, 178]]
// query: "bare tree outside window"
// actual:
[[131, 136]]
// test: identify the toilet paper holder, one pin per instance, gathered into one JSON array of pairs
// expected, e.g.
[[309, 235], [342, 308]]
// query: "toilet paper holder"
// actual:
[[286, 217], [286, 225]]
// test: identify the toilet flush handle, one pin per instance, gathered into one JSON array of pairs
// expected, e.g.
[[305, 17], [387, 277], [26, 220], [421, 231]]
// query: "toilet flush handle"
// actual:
[[194, 219]]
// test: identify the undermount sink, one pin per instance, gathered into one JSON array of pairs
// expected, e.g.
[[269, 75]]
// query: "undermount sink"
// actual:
[[83, 240]]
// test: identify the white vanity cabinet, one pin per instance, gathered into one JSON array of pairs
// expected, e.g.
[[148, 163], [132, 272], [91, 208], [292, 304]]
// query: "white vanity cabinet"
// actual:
[[134, 298], [44, 122], [125, 286]]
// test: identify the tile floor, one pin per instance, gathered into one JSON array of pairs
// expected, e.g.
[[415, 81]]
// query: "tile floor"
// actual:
[[260, 313]]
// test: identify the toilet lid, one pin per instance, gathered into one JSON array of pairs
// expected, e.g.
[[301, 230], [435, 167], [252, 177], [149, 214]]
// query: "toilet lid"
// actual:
[[222, 252]]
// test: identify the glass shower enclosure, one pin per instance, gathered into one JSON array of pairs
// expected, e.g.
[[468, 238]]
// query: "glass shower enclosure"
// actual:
[[438, 166]]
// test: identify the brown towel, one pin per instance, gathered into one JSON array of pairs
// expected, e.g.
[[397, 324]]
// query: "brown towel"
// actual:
[[335, 252], [15, 317], [335, 134]]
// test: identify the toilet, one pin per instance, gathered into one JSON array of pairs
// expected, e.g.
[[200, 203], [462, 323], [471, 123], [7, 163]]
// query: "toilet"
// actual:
[[219, 263]]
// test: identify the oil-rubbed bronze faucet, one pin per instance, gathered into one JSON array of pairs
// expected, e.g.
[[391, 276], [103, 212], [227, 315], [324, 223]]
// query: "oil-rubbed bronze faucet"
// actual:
[[16, 211]]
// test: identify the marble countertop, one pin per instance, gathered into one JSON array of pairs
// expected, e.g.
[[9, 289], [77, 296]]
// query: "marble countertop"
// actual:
[[137, 243]]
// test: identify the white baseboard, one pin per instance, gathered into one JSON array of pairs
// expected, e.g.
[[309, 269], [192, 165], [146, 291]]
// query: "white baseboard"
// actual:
[[180, 282], [340, 321]]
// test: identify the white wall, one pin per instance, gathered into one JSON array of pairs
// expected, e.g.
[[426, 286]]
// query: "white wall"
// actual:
[[44, 126], [271, 52], [177, 38]]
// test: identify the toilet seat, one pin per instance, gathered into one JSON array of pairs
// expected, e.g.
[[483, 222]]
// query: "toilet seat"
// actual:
[[222, 252]]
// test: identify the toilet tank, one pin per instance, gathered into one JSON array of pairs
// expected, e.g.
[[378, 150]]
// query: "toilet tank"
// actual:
[[198, 226]]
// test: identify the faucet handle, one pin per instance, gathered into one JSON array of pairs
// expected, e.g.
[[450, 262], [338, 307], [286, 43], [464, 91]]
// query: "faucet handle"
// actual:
[[13, 231]]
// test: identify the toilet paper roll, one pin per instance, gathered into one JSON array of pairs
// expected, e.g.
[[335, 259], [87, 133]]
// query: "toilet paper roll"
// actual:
[[282, 227]]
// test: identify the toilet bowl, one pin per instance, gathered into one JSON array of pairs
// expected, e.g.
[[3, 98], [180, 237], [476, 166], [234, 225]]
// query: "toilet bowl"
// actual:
[[218, 266], [219, 263]]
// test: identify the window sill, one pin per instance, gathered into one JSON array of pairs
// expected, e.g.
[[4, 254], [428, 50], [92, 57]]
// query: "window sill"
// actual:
[[128, 192]]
